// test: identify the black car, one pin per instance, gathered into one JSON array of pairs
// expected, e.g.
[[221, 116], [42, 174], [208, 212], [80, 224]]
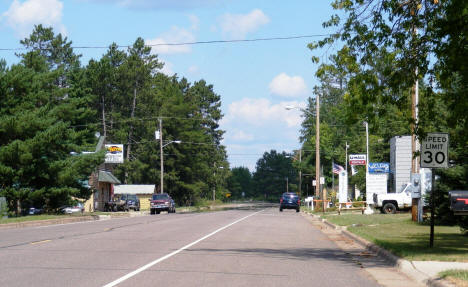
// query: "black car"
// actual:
[[290, 200], [162, 202]]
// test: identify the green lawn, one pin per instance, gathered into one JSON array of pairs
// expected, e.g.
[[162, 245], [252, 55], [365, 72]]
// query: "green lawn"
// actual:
[[459, 277], [405, 238]]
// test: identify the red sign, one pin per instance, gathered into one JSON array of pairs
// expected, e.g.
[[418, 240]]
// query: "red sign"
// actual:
[[357, 159]]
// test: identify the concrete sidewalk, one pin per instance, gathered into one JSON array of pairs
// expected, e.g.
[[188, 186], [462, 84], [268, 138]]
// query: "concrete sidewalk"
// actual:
[[425, 272]]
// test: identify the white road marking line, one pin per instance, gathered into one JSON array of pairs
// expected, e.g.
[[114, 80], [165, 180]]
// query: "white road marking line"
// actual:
[[143, 268]]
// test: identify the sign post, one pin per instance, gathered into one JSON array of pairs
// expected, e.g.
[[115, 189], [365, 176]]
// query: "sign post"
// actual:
[[434, 154]]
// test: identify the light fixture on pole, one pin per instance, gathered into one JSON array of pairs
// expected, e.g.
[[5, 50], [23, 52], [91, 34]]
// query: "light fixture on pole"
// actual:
[[366, 124], [317, 146], [161, 146], [214, 187]]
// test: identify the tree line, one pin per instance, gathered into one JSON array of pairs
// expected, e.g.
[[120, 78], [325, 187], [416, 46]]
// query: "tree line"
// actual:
[[52, 107]]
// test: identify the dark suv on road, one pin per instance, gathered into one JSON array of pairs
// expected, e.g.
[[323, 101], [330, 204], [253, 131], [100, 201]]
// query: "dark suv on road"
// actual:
[[290, 200], [162, 202]]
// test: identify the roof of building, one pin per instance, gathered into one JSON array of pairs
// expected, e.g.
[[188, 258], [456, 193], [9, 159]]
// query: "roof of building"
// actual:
[[134, 189], [106, 176]]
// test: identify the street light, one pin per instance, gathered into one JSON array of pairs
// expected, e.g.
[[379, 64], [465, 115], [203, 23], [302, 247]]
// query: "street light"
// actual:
[[317, 146], [214, 187], [162, 163], [161, 146], [366, 124]]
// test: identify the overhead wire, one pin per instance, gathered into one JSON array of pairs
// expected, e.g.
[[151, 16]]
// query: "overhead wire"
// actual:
[[186, 43]]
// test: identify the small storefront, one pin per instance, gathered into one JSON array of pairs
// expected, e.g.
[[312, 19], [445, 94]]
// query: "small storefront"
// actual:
[[143, 191], [103, 186]]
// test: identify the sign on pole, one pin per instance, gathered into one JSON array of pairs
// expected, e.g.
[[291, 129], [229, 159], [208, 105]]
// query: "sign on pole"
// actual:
[[357, 159], [434, 154], [379, 167], [322, 180], [114, 153], [434, 150], [343, 187]]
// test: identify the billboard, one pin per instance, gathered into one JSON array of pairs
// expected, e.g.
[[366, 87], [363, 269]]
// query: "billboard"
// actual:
[[114, 153], [379, 167], [357, 159]]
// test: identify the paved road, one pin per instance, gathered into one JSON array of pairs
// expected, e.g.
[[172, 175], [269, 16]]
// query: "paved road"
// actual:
[[228, 248]]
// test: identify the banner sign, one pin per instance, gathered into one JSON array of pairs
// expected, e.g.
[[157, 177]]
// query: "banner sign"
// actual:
[[343, 187], [114, 153], [357, 159], [379, 167]]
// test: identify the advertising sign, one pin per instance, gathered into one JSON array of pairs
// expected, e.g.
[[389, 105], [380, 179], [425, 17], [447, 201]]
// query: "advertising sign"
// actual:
[[379, 167], [343, 187], [357, 159], [376, 183], [434, 150], [114, 153]]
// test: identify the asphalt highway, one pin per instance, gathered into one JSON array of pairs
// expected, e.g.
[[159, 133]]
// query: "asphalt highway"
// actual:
[[257, 247]]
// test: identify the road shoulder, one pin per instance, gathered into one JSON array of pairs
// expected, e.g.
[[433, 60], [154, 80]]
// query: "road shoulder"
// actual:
[[385, 267]]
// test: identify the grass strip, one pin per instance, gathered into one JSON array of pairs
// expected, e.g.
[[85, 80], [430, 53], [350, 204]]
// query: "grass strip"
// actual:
[[405, 238], [457, 276]]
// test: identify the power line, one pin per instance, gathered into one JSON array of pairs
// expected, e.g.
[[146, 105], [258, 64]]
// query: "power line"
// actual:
[[188, 43]]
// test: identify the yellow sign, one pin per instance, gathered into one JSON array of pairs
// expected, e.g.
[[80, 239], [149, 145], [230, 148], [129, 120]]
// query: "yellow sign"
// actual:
[[228, 195]]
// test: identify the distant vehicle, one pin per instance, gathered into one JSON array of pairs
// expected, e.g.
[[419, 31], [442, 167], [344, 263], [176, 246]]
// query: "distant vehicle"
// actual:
[[35, 211], [131, 202], [290, 200], [77, 208], [162, 202]]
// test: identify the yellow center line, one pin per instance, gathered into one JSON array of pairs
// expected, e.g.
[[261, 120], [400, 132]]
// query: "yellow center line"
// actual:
[[42, 241]]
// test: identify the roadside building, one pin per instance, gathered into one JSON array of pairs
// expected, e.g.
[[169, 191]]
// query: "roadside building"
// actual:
[[400, 161], [101, 182], [143, 191]]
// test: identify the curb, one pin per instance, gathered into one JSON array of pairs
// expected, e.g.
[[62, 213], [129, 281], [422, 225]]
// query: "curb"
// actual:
[[403, 265], [49, 222]]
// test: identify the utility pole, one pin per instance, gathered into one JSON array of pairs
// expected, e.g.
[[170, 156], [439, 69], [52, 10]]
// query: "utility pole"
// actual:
[[300, 172], [317, 150], [162, 155], [416, 209]]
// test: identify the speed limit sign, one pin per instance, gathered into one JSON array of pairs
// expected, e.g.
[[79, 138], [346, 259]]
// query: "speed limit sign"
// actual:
[[434, 150]]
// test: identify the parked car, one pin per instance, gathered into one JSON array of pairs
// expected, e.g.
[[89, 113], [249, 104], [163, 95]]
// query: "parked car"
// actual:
[[35, 211], [290, 200], [162, 202], [79, 207], [131, 201], [389, 203]]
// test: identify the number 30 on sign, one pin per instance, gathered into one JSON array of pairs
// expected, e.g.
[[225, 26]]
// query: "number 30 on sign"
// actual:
[[434, 150]]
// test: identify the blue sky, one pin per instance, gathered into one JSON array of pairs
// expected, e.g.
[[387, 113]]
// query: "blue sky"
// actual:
[[256, 80]]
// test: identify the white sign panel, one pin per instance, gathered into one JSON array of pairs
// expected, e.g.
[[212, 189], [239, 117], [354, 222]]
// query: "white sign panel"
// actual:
[[434, 150], [357, 159], [322, 180], [376, 183], [114, 153], [343, 187]]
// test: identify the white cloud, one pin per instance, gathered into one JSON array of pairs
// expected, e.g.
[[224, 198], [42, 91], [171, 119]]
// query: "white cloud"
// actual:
[[261, 112], [288, 86], [240, 135], [193, 70], [237, 26], [22, 16], [168, 68], [164, 4], [174, 35]]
